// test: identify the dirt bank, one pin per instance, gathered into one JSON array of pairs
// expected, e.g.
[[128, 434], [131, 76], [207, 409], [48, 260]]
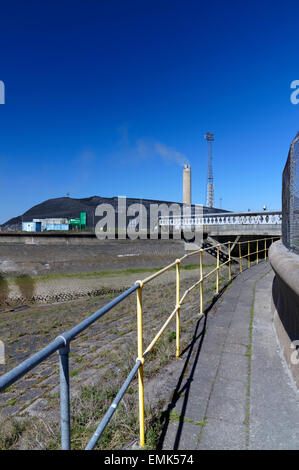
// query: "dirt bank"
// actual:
[[30, 273], [100, 359]]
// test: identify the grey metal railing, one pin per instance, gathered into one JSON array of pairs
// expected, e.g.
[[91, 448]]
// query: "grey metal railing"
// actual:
[[62, 345], [96, 436], [231, 218]]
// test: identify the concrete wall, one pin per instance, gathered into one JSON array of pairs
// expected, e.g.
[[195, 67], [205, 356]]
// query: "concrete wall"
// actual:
[[285, 302], [44, 238], [239, 229]]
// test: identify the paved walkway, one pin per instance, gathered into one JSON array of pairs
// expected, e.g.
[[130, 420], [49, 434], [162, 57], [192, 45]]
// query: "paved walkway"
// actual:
[[234, 391]]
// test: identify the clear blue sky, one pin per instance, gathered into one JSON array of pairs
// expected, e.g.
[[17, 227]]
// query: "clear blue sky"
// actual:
[[107, 97]]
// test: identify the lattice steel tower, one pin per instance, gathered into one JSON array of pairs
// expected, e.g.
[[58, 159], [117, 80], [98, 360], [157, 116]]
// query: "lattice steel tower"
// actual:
[[210, 181]]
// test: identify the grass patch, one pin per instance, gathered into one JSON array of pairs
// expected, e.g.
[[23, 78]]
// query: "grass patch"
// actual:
[[112, 272], [12, 402], [11, 431], [171, 336], [88, 410], [201, 423], [73, 373], [174, 416]]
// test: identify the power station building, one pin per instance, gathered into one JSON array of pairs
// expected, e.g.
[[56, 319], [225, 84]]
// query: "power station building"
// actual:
[[54, 223]]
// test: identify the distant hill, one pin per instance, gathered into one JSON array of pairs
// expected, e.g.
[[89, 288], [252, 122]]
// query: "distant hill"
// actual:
[[70, 208]]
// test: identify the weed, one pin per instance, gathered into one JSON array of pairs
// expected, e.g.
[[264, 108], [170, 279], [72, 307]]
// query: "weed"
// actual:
[[171, 336], [11, 431], [11, 402], [174, 416], [73, 373], [201, 423]]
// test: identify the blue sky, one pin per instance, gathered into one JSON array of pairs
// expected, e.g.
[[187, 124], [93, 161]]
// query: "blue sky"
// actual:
[[107, 97]]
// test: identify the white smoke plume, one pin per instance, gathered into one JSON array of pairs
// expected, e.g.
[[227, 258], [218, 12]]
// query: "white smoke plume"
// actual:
[[145, 148], [170, 154]]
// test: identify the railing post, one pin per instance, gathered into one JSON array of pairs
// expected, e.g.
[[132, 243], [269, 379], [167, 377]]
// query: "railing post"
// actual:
[[201, 282], [257, 252], [240, 258], [177, 268], [140, 370], [229, 262], [248, 254], [217, 272], [64, 397], [265, 244]]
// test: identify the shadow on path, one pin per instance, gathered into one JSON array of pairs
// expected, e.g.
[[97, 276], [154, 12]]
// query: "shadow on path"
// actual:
[[194, 347]]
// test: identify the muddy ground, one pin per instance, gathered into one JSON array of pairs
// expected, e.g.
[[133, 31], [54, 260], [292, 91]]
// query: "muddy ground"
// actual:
[[39, 273], [35, 260]]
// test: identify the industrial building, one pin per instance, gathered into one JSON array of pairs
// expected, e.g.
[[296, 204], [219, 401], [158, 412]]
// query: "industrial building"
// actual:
[[64, 224], [53, 224], [34, 226]]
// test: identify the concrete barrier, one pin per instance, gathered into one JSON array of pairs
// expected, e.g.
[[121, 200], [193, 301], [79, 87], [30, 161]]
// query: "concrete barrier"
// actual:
[[46, 238], [285, 303], [62, 238], [268, 230]]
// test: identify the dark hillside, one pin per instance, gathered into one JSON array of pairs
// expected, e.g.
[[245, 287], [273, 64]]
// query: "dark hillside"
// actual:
[[69, 207]]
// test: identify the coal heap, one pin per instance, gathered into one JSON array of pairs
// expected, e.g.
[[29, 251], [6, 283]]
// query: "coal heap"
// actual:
[[67, 207]]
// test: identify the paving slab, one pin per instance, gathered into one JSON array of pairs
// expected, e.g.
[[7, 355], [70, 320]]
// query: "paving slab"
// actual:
[[181, 435], [234, 388], [238, 400], [235, 348], [218, 434], [233, 366], [224, 407], [192, 407]]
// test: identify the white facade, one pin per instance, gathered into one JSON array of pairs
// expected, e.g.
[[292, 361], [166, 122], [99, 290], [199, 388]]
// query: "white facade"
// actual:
[[28, 226], [51, 221]]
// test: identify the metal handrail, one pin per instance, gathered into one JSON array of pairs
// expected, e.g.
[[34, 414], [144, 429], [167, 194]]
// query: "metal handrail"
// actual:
[[224, 218], [62, 342]]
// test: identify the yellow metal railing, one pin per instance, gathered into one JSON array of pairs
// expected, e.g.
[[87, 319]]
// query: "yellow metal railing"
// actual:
[[62, 342], [179, 300]]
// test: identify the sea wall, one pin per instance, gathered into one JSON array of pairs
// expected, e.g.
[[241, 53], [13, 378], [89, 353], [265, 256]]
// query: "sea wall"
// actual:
[[285, 303]]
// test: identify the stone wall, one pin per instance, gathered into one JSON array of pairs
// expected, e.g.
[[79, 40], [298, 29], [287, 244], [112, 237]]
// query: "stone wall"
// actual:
[[285, 301]]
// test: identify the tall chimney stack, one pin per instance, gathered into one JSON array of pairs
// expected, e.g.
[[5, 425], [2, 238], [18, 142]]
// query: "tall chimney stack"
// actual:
[[187, 184]]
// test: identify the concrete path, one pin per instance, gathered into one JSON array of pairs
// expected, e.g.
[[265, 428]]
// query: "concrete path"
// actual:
[[234, 391]]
